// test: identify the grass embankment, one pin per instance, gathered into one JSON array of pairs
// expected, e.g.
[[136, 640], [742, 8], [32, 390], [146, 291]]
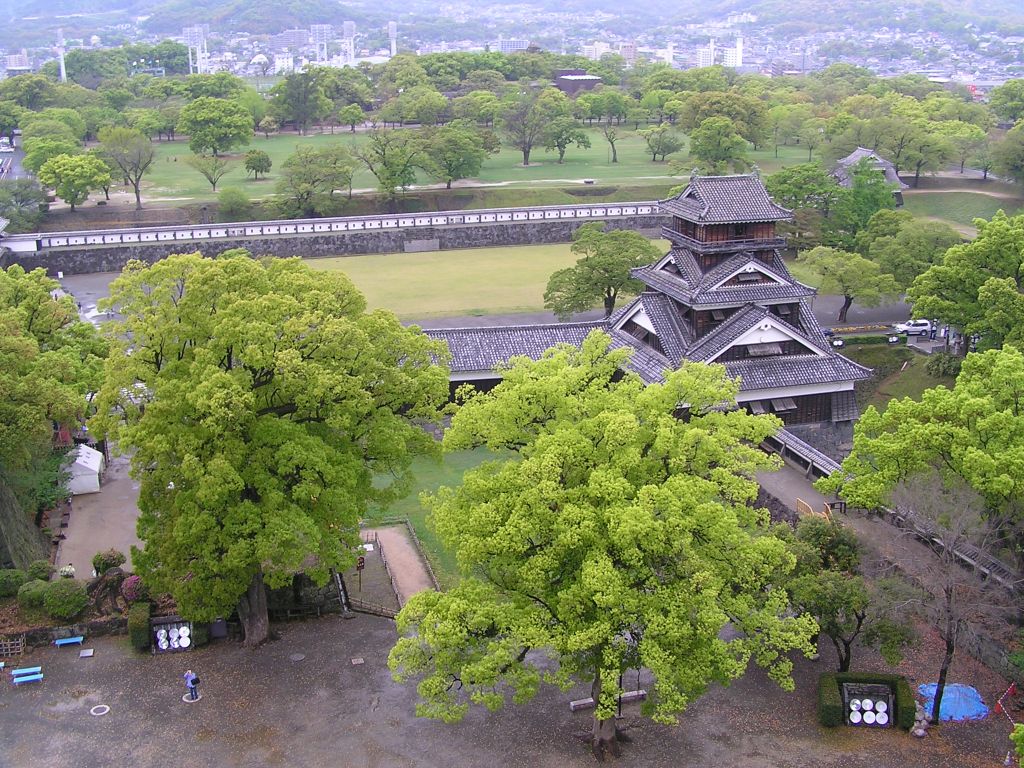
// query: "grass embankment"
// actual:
[[898, 372], [429, 476]]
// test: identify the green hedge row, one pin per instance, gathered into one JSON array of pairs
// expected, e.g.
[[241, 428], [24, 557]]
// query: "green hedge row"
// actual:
[[873, 339], [138, 626], [830, 700]]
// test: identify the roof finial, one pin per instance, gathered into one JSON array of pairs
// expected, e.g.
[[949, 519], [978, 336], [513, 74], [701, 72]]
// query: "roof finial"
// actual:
[[755, 171], [693, 174]]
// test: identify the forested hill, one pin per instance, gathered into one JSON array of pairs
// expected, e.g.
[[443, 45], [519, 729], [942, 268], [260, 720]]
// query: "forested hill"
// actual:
[[270, 16]]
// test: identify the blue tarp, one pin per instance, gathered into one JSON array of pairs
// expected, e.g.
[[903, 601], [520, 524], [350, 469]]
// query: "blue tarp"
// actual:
[[959, 702]]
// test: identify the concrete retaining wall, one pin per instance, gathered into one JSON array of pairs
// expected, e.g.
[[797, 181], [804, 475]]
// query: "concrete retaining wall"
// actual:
[[77, 260]]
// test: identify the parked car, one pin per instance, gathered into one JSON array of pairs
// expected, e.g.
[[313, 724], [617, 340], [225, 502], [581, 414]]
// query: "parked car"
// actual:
[[914, 327]]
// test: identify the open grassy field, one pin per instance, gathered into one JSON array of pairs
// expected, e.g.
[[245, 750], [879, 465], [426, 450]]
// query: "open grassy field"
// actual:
[[173, 180], [959, 208], [899, 372], [472, 281]]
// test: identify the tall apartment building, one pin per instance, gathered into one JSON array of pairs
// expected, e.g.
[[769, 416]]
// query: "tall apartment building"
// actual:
[[733, 57], [706, 55], [596, 50], [321, 34], [502, 45]]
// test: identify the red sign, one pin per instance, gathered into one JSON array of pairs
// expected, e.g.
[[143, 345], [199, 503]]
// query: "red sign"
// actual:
[[360, 563]]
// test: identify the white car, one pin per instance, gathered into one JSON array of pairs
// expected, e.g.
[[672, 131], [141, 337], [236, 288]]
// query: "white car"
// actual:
[[914, 327]]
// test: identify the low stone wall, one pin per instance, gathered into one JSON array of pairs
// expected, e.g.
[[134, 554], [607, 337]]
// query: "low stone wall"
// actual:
[[78, 260], [113, 625]]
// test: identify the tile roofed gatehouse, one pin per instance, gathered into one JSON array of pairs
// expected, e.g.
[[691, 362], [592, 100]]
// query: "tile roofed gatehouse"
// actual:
[[722, 294]]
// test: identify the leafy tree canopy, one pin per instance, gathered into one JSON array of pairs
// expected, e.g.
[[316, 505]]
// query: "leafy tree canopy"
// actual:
[[618, 536], [272, 401], [215, 125], [601, 273], [978, 286], [851, 276]]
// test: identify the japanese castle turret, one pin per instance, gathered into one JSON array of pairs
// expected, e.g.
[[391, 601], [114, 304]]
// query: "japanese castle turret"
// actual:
[[722, 294]]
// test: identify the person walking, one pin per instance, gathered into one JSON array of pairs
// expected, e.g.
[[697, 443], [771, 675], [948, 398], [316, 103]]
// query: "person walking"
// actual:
[[192, 683]]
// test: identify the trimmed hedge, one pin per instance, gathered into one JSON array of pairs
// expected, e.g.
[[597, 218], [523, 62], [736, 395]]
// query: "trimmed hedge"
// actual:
[[30, 594], [874, 340], [64, 599], [138, 626], [11, 580], [830, 700], [200, 634]]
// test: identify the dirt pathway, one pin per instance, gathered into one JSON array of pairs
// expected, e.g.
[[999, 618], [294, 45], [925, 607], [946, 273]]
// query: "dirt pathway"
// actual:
[[403, 559]]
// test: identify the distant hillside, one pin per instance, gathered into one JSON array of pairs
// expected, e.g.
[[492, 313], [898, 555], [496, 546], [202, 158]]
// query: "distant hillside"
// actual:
[[27, 23]]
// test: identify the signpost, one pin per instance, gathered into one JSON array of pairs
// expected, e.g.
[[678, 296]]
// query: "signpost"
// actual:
[[360, 564]]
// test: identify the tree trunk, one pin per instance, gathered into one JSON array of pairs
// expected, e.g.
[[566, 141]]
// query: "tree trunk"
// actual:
[[526, 157], [962, 163], [448, 185], [940, 686], [810, 151], [984, 176], [847, 303], [138, 198], [615, 155], [605, 735], [609, 305], [252, 610]]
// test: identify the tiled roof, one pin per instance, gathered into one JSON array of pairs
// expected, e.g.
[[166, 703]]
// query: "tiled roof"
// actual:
[[724, 200], [735, 326], [699, 290], [647, 363], [777, 372], [487, 348], [844, 165], [669, 327]]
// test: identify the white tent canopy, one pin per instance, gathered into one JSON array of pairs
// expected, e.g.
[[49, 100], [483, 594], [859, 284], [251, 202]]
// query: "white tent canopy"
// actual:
[[85, 467]]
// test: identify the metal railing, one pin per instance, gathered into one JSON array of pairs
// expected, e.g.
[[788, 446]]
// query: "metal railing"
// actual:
[[295, 227]]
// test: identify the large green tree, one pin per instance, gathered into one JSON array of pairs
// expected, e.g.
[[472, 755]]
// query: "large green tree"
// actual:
[[1008, 155], [299, 99], [916, 246], [851, 276], [1007, 100], [20, 201], [979, 286], [273, 406], [73, 177], [131, 153], [973, 432], [525, 117], [563, 131], [618, 536], [602, 271], [717, 147], [392, 157], [215, 125], [310, 178], [454, 151], [662, 141]]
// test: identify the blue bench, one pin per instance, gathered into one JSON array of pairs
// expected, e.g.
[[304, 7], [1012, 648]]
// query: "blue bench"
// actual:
[[26, 671], [19, 679], [69, 641]]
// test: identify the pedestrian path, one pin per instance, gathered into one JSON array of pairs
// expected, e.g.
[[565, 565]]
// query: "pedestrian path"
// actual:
[[404, 561]]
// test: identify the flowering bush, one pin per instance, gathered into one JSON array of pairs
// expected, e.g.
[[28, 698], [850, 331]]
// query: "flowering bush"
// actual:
[[104, 561], [132, 589]]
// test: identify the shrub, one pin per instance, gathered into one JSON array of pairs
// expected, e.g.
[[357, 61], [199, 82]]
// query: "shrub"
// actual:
[[65, 598], [943, 365], [138, 626], [40, 570], [830, 700], [233, 205], [861, 340], [30, 594], [133, 590], [200, 634], [104, 561], [11, 580]]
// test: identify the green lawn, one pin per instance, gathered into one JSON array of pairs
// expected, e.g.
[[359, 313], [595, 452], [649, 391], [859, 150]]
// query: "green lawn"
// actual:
[[892, 379], [958, 208], [472, 281], [429, 476], [172, 179]]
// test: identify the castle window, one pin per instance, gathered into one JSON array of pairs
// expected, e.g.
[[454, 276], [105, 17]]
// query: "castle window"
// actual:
[[749, 277], [717, 315], [783, 404], [757, 407], [764, 350]]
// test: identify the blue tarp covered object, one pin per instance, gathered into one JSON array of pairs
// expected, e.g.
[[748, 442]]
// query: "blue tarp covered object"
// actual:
[[959, 702]]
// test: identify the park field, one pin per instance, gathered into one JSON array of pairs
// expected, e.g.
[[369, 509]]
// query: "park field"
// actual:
[[471, 281], [171, 179], [959, 208]]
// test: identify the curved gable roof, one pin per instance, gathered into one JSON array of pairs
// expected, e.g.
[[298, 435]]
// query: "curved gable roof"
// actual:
[[725, 200]]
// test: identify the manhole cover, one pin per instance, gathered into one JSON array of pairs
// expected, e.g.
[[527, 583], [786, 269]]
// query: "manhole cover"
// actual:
[[357, 661], [297, 656], [99, 710]]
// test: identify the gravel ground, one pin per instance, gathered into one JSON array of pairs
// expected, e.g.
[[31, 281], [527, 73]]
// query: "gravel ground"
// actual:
[[259, 708]]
